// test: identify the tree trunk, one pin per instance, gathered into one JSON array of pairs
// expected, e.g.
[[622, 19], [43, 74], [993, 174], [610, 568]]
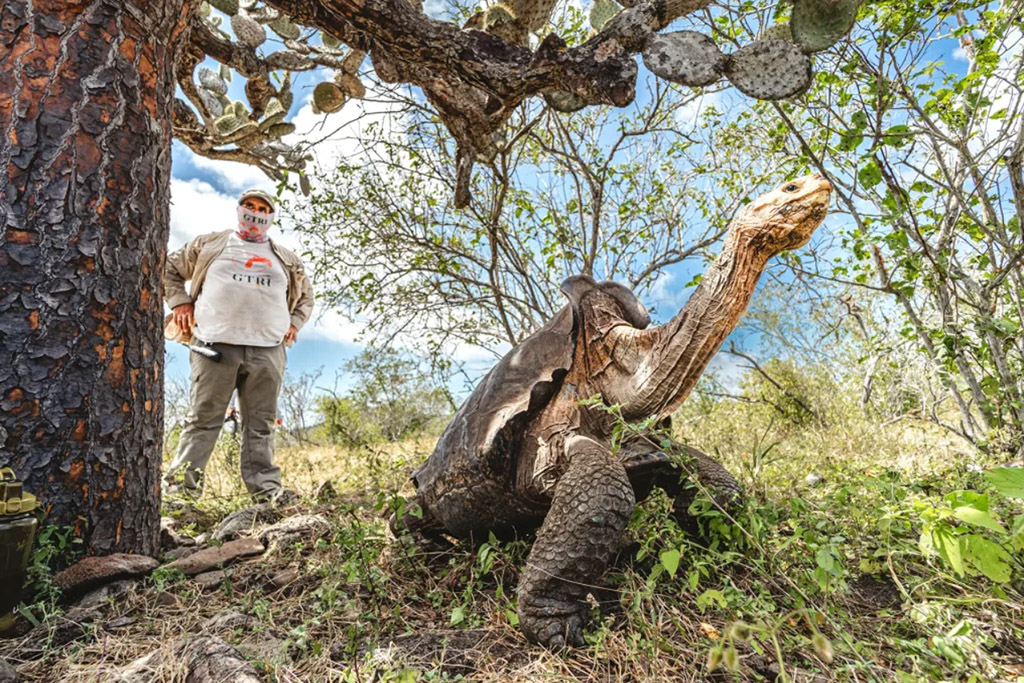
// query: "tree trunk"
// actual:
[[86, 91]]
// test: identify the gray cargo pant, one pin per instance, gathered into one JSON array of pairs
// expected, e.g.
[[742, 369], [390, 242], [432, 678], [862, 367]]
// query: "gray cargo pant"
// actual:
[[256, 372]]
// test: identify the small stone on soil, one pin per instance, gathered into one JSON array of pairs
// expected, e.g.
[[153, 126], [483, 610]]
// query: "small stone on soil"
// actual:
[[243, 522], [167, 599], [171, 539], [228, 621], [218, 557], [208, 580], [294, 529], [201, 659], [91, 572], [103, 594], [178, 553], [284, 577], [120, 622], [8, 674]]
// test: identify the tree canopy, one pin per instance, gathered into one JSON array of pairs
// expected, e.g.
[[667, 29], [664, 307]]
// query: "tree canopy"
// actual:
[[472, 76]]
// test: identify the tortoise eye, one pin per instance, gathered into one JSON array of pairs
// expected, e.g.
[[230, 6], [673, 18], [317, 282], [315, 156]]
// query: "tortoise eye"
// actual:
[[792, 187]]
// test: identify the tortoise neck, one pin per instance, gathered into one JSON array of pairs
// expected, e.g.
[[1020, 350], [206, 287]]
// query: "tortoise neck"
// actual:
[[681, 349]]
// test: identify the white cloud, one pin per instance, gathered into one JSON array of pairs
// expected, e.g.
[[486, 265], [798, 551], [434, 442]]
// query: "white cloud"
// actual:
[[690, 113], [332, 326], [198, 208], [727, 369], [233, 175]]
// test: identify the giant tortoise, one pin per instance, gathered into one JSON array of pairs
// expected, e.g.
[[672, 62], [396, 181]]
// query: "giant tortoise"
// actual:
[[524, 452]]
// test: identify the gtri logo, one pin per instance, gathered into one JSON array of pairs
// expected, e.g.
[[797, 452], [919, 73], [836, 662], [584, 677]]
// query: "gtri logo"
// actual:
[[258, 259]]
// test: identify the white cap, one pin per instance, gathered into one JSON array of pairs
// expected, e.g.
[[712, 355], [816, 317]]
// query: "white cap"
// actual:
[[259, 194]]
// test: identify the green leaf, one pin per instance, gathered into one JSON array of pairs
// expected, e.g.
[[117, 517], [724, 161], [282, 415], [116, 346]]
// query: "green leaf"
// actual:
[[989, 558], [897, 136], [458, 616], [670, 561], [973, 515], [705, 599], [869, 175], [948, 546], [825, 559], [1009, 481]]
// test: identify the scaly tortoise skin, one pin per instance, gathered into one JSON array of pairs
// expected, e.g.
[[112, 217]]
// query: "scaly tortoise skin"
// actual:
[[522, 452]]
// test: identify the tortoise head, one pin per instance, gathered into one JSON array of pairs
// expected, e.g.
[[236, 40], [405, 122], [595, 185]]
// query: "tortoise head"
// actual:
[[616, 299], [786, 217]]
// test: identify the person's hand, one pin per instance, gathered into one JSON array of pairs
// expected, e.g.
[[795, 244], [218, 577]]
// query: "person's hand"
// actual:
[[185, 317], [289, 338]]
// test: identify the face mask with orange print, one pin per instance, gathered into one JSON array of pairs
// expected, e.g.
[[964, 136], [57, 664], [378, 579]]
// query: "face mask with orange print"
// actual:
[[253, 226]]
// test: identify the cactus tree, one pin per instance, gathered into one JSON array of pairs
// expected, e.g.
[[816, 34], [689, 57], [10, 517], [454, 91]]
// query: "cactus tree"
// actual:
[[474, 74]]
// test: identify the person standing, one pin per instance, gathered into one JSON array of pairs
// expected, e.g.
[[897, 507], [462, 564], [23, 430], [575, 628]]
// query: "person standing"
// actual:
[[248, 299]]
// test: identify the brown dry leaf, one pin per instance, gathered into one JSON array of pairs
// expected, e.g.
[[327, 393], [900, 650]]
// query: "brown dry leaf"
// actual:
[[710, 631]]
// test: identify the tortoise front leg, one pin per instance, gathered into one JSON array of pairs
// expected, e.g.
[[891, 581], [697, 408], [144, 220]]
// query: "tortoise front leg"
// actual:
[[592, 505]]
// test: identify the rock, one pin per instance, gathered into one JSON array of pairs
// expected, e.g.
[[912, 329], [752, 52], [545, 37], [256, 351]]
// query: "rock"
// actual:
[[813, 479], [294, 529], [283, 578], [171, 539], [167, 599], [325, 492], [118, 623], [242, 522], [106, 593], [91, 572], [267, 645], [208, 580], [75, 624], [8, 674], [167, 535], [142, 670], [284, 497], [217, 557], [211, 660], [202, 659], [178, 553], [227, 621]]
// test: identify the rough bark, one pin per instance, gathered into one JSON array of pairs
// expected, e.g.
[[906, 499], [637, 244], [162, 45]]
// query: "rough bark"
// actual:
[[86, 92]]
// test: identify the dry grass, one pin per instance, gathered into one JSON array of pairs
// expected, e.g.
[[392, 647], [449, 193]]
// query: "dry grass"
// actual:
[[370, 608]]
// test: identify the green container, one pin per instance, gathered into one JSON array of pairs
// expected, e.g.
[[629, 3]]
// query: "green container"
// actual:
[[17, 531]]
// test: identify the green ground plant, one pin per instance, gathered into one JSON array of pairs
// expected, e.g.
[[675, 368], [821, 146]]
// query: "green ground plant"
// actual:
[[824, 576]]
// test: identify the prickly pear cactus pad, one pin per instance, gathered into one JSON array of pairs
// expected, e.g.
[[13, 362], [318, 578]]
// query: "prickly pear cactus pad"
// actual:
[[602, 11], [819, 24], [248, 30], [212, 81], [769, 70], [328, 97], [685, 57], [228, 7]]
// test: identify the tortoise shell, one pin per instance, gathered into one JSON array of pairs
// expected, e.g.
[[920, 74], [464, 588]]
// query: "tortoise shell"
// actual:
[[474, 463]]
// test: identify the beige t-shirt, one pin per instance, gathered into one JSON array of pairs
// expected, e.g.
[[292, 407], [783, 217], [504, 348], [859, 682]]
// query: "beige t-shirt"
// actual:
[[245, 297]]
